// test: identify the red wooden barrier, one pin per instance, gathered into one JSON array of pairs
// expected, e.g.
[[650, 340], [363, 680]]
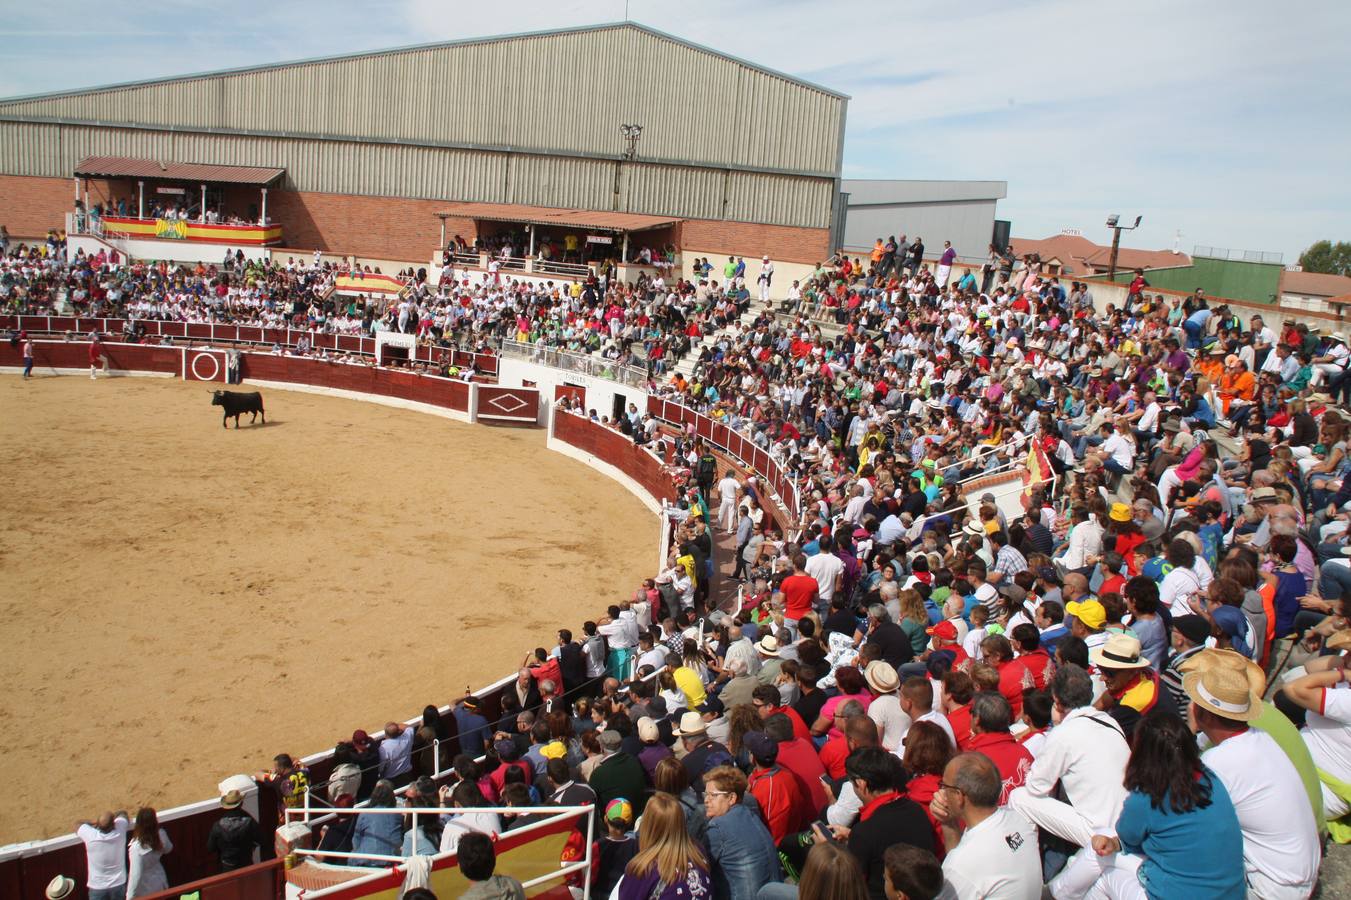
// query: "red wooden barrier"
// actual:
[[617, 450]]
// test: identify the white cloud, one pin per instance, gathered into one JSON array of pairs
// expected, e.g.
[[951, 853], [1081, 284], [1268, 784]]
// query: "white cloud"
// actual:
[[1226, 120]]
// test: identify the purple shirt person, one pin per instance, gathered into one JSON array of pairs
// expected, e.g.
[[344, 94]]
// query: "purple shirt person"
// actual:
[[949, 256]]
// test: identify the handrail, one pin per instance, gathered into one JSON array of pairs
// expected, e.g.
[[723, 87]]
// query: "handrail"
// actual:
[[553, 815], [572, 361]]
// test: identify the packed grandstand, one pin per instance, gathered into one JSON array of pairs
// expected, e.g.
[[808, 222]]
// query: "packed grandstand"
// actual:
[[888, 684]]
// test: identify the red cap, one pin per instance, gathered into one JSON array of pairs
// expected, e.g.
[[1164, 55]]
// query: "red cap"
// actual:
[[944, 630], [360, 739]]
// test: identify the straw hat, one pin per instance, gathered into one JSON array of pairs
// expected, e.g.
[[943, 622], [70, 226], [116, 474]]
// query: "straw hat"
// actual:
[[1225, 683], [60, 887], [881, 677], [232, 799], [691, 725], [768, 645], [1121, 651]]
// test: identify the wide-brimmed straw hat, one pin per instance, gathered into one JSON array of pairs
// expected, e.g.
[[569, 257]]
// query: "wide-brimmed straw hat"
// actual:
[[1226, 683], [1121, 651], [691, 725], [60, 887], [881, 677]]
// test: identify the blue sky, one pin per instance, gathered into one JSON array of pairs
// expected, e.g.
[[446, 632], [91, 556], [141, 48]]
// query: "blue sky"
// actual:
[[1225, 121]]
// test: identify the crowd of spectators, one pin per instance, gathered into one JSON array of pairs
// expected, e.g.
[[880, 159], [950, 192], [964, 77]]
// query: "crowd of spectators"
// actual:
[[914, 692]]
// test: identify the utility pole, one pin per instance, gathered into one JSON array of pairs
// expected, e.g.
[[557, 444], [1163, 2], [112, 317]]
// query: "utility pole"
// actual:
[[1113, 222]]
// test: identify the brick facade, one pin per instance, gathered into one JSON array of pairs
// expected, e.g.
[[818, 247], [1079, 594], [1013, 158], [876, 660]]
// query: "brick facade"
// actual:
[[781, 242], [381, 227], [30, 207], [384, 227]]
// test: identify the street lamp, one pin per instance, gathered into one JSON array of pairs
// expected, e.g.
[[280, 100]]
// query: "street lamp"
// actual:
[[1113, 222], [630, 133]]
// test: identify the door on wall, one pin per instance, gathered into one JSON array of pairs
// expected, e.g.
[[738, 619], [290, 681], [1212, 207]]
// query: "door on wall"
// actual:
[[619, 413]]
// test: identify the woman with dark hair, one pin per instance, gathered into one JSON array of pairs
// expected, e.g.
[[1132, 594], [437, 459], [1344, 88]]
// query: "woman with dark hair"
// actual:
[[377, 833], [149, 842], [1142, 597], [849, 681], [466, 797], [1178, 835], [1182, 583]]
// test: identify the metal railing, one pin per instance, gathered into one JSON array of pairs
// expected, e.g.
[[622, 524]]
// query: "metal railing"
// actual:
[[1253, 256], [581, 363], [555, 267], [553, 815]]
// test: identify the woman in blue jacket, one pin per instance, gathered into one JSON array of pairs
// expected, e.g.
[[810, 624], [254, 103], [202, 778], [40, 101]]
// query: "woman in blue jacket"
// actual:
[[376, 833], [1178, 836]]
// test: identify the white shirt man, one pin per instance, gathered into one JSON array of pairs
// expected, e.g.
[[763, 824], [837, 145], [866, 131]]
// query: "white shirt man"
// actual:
[[729, 490], [1327, 734], [1149, 419], [828, 571], [1281, 850], [1086, 754], [1121, 449], [1085, 540], [106, 853], [997, 858], [740, 647], [622, 632]]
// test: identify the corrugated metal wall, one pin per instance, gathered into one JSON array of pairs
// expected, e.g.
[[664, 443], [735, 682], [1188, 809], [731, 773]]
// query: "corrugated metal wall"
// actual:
[[566, 93], [396, 170], [968, 224]]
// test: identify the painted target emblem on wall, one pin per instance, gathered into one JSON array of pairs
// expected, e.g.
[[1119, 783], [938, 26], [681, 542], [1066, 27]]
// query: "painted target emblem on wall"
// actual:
[[202, 366]]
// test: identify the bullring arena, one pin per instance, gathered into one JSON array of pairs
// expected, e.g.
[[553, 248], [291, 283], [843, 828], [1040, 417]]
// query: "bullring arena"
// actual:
[[182, 603]]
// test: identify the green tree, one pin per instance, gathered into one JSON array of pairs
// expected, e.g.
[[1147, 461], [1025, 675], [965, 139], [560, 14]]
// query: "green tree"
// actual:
[[1327, 258]]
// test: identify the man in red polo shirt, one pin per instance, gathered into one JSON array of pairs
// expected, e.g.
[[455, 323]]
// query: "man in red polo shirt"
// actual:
[[799, 592], [990, 721]]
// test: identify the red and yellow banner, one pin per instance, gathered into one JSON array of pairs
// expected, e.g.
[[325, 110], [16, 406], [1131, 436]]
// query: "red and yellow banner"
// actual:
[[368, 284], [194, 232]]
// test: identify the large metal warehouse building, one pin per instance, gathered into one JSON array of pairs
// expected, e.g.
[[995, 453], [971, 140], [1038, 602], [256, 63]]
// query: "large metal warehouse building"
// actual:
[[359, 153]]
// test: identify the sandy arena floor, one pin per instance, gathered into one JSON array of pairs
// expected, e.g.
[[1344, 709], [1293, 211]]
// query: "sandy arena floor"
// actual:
[[180, 603]]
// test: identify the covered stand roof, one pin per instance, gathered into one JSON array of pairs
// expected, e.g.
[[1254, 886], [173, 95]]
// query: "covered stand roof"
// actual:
[[129, 167], [547, 215]]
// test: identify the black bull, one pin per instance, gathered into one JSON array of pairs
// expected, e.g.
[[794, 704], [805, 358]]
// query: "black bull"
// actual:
[[236, 404]]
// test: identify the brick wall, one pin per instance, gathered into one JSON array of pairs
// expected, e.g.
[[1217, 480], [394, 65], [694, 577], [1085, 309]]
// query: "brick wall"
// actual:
[[30, 207], [386, 227], [781, 242]]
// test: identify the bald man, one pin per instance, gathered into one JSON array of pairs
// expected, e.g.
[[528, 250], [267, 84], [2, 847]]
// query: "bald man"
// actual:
[[105, 847]]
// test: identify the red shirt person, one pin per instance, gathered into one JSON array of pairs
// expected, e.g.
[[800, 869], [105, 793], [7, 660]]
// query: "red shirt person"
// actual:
[[990, 722], [800, 590]]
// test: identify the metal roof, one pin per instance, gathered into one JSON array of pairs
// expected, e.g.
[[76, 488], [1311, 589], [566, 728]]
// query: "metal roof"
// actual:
[[429, 46], [129, 167], [547, 215]]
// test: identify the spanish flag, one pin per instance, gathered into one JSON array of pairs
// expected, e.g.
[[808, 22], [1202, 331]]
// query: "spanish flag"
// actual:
[[1037, 471]]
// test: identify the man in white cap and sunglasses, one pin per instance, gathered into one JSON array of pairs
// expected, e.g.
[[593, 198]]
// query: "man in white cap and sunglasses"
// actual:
[[1281, 847]]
